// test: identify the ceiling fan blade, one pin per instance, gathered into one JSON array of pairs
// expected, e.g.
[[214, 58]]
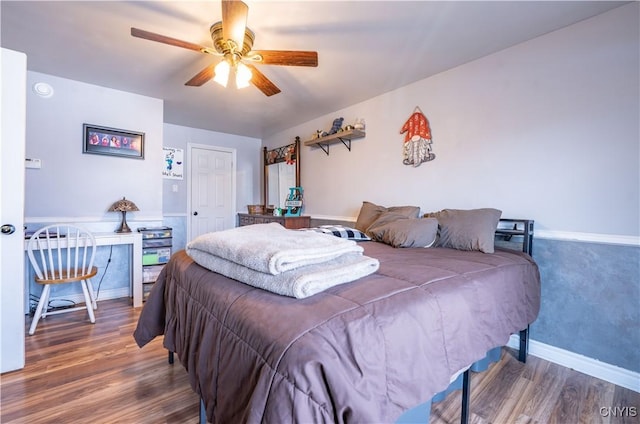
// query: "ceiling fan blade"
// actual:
[[140, 33], [286, 57], [261, 82], [203, 76], [234, 21]]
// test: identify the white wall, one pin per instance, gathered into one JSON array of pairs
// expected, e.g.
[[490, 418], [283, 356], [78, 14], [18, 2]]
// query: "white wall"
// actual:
[[72, 185], [547, 130], [248, 168]]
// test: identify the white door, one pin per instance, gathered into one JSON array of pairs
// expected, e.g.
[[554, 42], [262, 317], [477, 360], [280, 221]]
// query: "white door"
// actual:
[[212, 190], [13, 75]]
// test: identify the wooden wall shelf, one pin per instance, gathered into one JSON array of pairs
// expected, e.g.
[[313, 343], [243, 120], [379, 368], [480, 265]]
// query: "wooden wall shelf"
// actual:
[[343, 136]]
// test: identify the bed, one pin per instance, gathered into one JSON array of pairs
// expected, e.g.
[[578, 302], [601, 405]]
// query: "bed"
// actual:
[[366, 351]]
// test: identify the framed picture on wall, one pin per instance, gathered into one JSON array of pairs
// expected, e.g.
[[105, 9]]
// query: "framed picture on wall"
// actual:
[[113, 142]]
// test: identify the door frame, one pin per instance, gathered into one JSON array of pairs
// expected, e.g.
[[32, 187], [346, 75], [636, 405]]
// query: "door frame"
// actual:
[[190, 148]]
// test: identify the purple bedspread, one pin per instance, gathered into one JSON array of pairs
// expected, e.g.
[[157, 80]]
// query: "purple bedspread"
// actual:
[[364, 351]]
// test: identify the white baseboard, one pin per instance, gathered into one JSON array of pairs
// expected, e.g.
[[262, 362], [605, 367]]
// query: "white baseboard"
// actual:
[[103, 295], [607, 372], [588, 237]]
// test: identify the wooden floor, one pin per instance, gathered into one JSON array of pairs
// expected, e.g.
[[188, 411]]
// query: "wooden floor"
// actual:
[[81, 373]]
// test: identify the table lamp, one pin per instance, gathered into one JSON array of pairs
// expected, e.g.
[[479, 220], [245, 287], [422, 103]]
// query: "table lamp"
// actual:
[[123, 206]]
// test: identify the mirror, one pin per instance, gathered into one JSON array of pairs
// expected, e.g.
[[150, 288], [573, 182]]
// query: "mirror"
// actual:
[[281, 172]]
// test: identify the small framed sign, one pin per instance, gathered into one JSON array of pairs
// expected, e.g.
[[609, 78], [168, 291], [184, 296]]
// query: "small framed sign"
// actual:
[[113, 142], [294, 202]]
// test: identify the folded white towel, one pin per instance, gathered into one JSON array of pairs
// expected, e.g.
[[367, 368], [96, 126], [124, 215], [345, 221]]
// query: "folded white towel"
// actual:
[[299, 283], [271, 248]]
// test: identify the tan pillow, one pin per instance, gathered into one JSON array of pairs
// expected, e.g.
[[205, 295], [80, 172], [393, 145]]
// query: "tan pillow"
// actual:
[[369, 212], [406, 232], [472, 229]]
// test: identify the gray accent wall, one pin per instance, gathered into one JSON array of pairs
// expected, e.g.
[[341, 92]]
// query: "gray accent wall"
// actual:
[[114, 267], [179, 227], [590, 300]]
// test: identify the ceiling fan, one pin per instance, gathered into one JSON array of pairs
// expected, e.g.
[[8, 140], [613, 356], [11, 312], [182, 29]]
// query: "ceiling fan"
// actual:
[[233, 41]]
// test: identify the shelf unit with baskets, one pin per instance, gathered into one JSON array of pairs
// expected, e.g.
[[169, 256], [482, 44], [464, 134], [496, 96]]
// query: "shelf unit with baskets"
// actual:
[[157, 245]]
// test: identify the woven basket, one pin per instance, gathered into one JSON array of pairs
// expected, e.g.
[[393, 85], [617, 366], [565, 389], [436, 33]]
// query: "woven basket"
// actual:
[[256, 209]]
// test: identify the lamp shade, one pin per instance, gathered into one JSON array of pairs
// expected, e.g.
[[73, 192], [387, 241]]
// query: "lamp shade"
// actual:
[[243, 75], [123, 206], [222, 70]]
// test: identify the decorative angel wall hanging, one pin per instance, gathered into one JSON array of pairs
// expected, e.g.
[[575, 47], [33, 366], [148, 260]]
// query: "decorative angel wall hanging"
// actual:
[[417, 141]]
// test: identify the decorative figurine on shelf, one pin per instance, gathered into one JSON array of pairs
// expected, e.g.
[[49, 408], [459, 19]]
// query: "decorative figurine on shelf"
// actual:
[[319, 134], [294, 202], [336, 127], [359, 124]]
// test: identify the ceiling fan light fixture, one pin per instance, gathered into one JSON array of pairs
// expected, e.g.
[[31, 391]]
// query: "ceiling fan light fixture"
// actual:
[[234, 41], [243, 76], [222, 70]]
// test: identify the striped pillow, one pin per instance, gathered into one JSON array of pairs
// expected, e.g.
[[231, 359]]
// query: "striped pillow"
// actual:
[[341, 231]]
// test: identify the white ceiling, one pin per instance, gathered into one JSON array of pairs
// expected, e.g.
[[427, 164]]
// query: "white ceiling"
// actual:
[[365, 48]]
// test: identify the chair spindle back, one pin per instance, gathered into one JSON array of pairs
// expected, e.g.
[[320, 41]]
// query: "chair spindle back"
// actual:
[[64, 252]]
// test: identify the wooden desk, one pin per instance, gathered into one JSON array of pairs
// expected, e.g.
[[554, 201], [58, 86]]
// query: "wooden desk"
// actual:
[[112, 239]]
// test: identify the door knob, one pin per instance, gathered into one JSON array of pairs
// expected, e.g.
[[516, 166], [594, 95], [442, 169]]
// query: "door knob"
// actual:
[[195, 213], [7, 229]]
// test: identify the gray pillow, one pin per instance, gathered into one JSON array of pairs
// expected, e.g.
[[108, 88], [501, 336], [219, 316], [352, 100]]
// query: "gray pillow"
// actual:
[[471, 229], [369, 212], [406, 232], [385, 218]]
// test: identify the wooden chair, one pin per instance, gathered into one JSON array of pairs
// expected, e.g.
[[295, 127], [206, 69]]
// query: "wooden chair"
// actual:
[[62, 254]]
